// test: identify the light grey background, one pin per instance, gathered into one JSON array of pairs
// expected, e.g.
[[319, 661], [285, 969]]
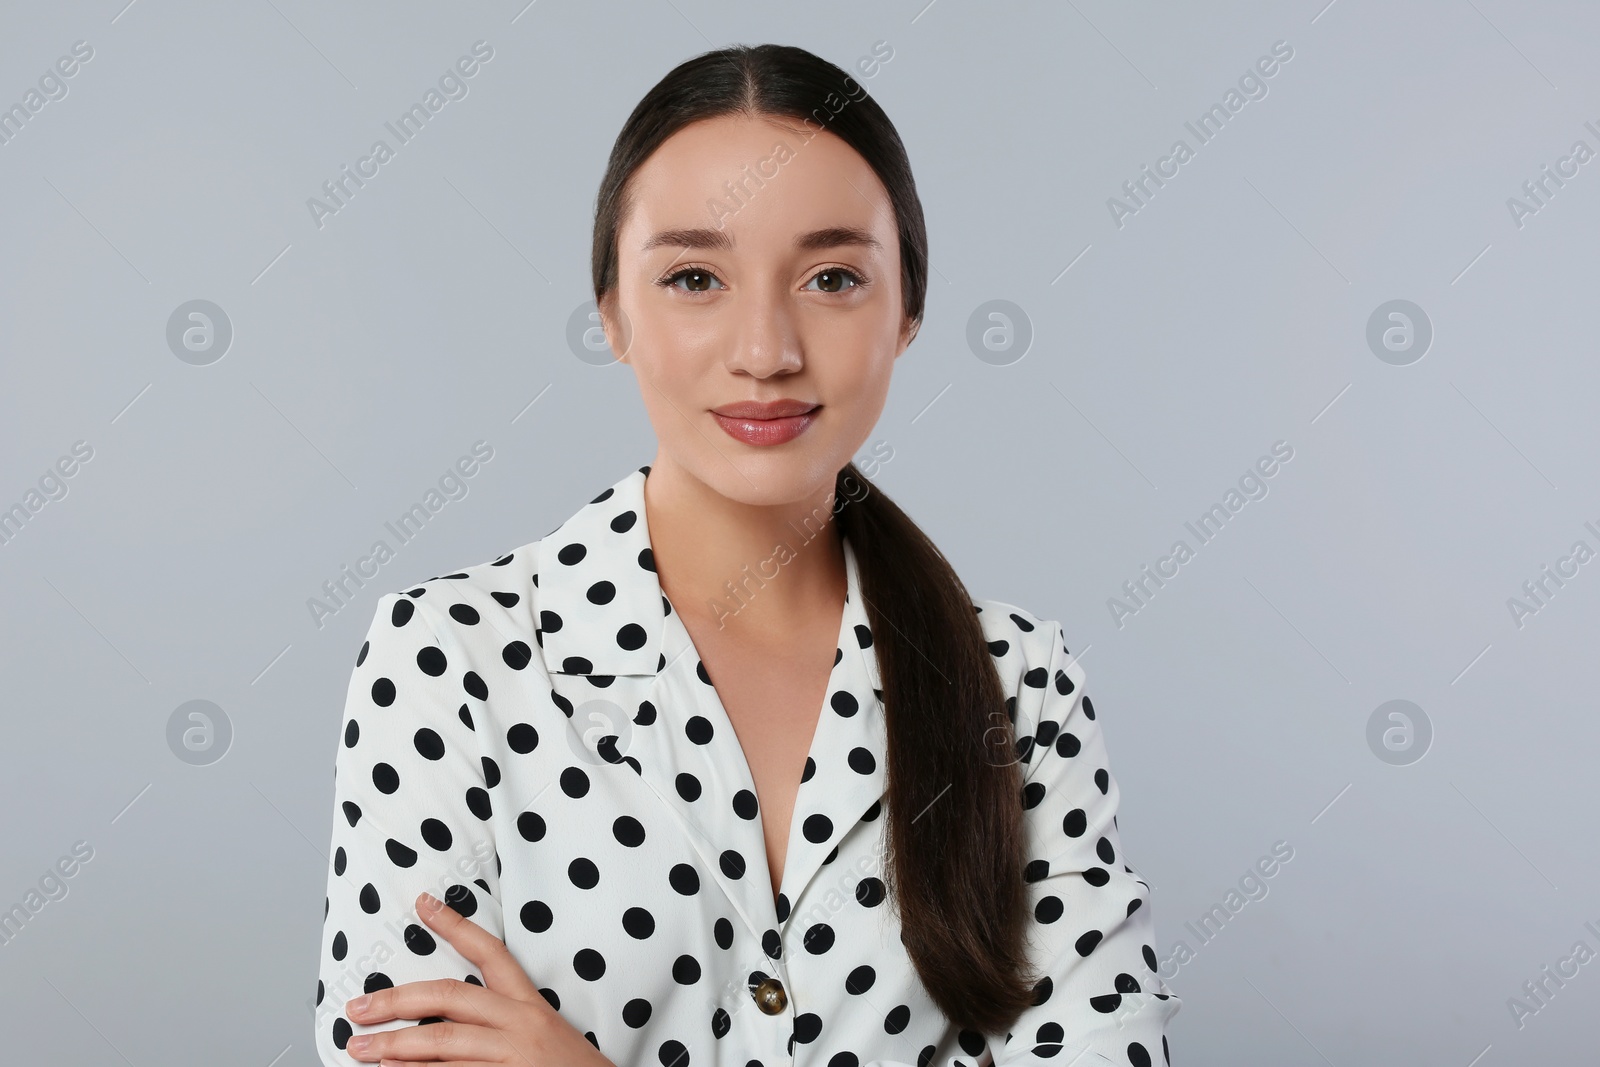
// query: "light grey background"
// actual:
[[1230, 312]]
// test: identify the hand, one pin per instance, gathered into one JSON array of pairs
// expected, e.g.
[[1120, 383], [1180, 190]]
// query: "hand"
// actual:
[[506, 1021]]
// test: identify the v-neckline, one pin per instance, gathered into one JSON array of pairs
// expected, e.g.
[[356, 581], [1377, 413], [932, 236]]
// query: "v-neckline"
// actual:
[[844, 640], [847, 752]]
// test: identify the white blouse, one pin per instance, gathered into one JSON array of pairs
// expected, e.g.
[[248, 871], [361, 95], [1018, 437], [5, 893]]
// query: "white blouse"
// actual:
[[535, 741]]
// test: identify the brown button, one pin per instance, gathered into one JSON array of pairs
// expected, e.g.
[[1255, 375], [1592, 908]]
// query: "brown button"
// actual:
[[770, 996]]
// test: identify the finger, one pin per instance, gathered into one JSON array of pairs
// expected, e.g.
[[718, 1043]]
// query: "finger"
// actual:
[[428, 1043], [500, 969], [435, 998]]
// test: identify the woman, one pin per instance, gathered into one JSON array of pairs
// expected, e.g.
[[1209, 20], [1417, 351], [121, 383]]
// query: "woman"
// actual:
[[884, 836]]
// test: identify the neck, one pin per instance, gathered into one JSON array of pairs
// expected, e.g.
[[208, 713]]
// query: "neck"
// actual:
[[750, 568]]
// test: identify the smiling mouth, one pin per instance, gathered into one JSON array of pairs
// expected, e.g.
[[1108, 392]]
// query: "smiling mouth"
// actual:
[[772, 423]]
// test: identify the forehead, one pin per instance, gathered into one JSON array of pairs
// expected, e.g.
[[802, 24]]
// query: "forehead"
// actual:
[[757, 179]]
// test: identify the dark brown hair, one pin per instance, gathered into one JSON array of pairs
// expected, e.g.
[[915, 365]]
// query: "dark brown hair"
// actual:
[[955, 856]]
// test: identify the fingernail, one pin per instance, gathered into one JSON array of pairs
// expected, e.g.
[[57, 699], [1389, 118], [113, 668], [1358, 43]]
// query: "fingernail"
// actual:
[[358, 1044], [431, 902], [358, 1005]]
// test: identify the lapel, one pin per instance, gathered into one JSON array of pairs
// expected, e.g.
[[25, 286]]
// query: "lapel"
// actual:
[[603, 616]]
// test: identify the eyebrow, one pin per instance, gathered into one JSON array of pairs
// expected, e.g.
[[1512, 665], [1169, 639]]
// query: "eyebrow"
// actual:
[[705, 237]]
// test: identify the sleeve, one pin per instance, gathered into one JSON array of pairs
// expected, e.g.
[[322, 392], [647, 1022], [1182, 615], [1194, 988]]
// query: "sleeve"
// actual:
[[411, 813], [1100, 1001]]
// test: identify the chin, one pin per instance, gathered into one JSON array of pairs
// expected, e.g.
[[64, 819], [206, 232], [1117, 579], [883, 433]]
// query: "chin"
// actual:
[[775, 474]]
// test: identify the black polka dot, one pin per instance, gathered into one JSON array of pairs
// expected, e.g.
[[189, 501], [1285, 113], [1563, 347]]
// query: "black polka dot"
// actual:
[[639, 923], [419, 940], [583, 873], [536, 916], [431, 661], [684, 879], [436, 834], [429, 744], [817, 828], [589, 965], [818, 939], [531, 826], [399, 854], [522, 738]]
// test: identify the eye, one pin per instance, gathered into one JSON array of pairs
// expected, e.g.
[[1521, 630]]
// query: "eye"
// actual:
[[699, 276], [833, 279]]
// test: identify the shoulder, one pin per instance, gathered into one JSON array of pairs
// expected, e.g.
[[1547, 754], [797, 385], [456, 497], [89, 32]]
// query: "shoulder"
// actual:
[[1021, 642], [487, 605], [1042, 678]]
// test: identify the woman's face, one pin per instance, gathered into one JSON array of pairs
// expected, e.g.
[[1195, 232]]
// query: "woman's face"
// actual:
[[757, 265]]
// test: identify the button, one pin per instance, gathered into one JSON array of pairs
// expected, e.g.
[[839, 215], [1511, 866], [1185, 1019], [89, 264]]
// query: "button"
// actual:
[[770, 996]]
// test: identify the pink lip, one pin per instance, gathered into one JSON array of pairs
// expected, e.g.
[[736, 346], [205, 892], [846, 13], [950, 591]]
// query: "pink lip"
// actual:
[[769, 423]]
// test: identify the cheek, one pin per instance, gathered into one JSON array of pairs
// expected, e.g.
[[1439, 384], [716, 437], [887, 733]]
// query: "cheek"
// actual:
[[858, 388], [862, 367], [672, 385], [675, 347]]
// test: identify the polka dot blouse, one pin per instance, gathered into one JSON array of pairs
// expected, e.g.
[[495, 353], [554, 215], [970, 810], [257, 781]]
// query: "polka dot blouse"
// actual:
[[535, 741]]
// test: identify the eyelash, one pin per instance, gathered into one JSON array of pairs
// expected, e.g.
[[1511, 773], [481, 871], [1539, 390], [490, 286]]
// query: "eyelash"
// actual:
[[859, 280]]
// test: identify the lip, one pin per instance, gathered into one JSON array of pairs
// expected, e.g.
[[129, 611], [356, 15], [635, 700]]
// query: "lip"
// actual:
[[770, 422]]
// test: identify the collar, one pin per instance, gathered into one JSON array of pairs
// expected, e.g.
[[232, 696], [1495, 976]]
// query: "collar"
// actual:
[[602, 609], [602, 613]]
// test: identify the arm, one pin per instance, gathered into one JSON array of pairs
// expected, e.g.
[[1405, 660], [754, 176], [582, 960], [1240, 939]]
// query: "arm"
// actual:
[[411, 810], [1093, 927], [1099, 1002]]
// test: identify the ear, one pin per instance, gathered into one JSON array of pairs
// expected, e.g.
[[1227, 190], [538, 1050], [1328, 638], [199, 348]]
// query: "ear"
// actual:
[[908, 333], [615, 339]]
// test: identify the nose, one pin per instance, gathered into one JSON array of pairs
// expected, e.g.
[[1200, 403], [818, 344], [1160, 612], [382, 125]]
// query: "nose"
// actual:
[[765, 341]]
